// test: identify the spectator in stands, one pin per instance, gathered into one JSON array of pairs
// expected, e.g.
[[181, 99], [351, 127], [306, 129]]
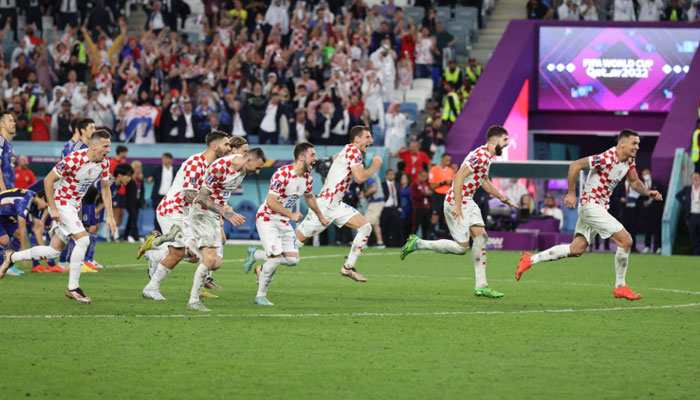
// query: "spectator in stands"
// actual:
[[421, 196], [405, 75], [425, 50], [689, 197], [119, 199], [396, 126], [414, 160], [8, 15], [22, 128], [374, 193], [24, 177], [569, 11], [650, 10], [453, 75], [384, 59], [41, 125], [452, 105], [550, 209], [590, 10], [693, 14], [372, 95], [405, 208], [674, 11], [445, 42], [432, 136], [623, 10], [162, 179], [271, 113], [537, 10], [650, 214], [513, 189], [134, 201], [526, 207], [695, 146], [67, 13], [390, 222]]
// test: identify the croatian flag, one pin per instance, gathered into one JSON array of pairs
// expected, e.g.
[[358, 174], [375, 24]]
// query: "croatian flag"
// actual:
[[140, 122]]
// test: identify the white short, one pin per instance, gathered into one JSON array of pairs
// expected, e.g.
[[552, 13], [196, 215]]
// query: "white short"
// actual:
[[277, 237], [70, 224], [166, 223], [471, 216], [206, 228], [594, 219], [338, 214], [374, 211]]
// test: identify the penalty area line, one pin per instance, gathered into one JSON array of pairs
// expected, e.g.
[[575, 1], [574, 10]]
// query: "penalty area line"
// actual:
[[362, 314]]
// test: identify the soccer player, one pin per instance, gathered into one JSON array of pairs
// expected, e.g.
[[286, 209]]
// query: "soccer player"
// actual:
[[73, 176], [272, 219], [463, 215], [15, 208], [174, 209], [347, 165], [7, 152], [222, 177], [606, 170]]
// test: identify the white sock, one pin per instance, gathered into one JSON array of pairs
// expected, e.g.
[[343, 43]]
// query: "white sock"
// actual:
[[209, 274], [358, 244], [289, 261], [35, 253], [444, 246], [268, 271], [621, 258], [157, 278], [192, 247], [158, 255], [259, 255], [479, 259], [553, 253], [200, 275], [76, 262]]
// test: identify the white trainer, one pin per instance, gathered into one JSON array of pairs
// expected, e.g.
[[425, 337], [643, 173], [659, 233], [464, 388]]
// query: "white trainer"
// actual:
[[198, 306], [152, 294]]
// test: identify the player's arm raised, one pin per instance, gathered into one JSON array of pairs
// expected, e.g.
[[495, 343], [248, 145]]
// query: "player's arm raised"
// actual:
[[360, 174], [107, 201], [574, 169], [49, 181], [639, 187], [490, 189], [204, 200], [457, 185], [273, 202], [313, 206]]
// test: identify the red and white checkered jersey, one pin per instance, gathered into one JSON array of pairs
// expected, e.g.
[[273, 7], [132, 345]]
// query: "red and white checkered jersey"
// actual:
[[606, 171], [478, 161], [339, 176], [355, 81], [298, 38], [189, 177], [221, 179], [287, 186], [77, 174]]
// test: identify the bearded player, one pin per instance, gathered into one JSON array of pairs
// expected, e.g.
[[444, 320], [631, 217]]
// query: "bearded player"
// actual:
[[463, 215], [606, 170], [287, 185], [73, 176]]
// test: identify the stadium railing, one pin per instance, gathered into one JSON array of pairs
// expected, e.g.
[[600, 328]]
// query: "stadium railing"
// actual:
[[672, 208]]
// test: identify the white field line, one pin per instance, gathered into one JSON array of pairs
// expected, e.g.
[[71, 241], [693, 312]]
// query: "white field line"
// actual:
[[364, 314], [394, 253]]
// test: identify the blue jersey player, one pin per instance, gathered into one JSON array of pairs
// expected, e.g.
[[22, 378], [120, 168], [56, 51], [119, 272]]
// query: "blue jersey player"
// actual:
[[16, 205], [7, 152]]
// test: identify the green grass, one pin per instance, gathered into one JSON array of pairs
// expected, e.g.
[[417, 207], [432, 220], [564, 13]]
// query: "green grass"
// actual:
[[316, 342]]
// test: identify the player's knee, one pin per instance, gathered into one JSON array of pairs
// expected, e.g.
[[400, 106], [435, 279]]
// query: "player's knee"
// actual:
[[626, 242], [82, 242], [217, 263], [209, 261], [53, 253], [290, 261]]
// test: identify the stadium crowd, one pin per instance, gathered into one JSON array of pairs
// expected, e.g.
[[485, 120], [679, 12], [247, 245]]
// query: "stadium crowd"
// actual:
[[614, 10]]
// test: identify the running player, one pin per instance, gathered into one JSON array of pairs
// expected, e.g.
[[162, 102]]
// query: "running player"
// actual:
[[73, 175], [222, 177], [465, 220], [606, 170], [347, 165], [173, 210], [272, 219], [15, 208]]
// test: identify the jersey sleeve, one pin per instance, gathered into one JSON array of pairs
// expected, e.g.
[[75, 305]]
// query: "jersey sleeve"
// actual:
[[65, 166], [193, 172], [599, 161], [278, 183], [309, 183], [104, 176], [633, 167], [22, 205], [353, 156]]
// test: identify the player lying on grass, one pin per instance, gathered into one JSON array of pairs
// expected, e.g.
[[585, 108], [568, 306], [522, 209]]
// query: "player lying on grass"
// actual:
[[287, 185], [463, 215], [73, 176], [606, 170], [222, 178], [347, 165], [16, 205]]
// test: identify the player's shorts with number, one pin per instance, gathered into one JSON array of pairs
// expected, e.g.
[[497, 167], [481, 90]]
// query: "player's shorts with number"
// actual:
[[70, 224], [471, 216], [276, 237], [594, 219], [338, 214], [206, 228], [166, 222]]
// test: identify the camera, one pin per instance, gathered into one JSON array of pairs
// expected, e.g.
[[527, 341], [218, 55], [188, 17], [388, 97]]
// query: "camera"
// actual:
[[322, 166]]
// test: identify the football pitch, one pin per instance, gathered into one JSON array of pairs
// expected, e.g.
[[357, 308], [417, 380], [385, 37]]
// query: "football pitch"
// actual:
[[413, 331]]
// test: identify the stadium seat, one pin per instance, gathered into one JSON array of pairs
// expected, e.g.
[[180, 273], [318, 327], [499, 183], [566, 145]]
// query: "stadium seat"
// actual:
[[398, 96], [247, 209], [417, 97], [411, 109], [378, 135], [386, 106], [444, 14], [415, 13]]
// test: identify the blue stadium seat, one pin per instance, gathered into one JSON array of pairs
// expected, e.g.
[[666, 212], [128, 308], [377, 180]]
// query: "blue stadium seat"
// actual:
[[247, 209], [411, 109], [378, 135]]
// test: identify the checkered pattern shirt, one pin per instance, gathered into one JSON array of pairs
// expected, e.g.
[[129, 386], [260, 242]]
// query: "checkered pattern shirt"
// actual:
[[355, 78], [221, 179], [339, 176], [287, 186], [189, 177], [606, 171], [478, 161], [299, 38], [77, 173]]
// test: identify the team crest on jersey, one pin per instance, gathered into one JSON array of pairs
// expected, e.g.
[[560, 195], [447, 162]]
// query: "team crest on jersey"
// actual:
[[474, 161], [596, 160], [210, 180], [276, 186], [61, 167], [193, 181]]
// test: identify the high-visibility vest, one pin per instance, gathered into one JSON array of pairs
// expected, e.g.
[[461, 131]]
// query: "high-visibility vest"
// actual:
[[695, 149], [473, 76], [449, 113], [465, 96], [452, 77]]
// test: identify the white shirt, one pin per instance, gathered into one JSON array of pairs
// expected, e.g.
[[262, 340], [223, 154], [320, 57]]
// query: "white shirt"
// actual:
[[695, 199], [391, 199], [326, 127], [189, 130], [268, 123], [238, 126], [589, 13], [565, 14], [555, 213], [301, 135], [166, 180], [8, 4], [157, 21], [69, 6], [650, 10], [341, 128], [624, 11]]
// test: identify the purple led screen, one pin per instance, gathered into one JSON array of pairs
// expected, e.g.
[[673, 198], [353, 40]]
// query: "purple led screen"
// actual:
[[612, 69]]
